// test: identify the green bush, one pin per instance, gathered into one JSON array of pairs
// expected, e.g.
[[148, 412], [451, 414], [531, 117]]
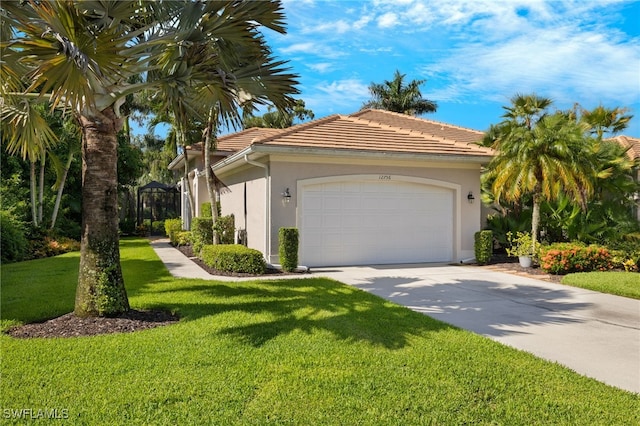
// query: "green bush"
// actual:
[[626, 254], [201, 233], [128, 226], [483, 246], [233, 258], [172, 227], [205, 209], [157, 227], [183, 238], [225, 227], [288, 248], [53, 246], [563, 258], [12, 238]]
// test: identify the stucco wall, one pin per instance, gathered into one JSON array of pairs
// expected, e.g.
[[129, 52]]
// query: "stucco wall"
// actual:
[[233, 202], [286, 172]]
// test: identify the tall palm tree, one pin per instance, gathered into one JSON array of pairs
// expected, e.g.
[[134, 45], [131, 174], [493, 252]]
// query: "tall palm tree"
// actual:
[[540, 154], [279, 118], [80, 55], [606, 120], [26, 133], [397, 96]]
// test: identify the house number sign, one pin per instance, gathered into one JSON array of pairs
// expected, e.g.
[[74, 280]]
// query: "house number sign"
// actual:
[[384, 177]]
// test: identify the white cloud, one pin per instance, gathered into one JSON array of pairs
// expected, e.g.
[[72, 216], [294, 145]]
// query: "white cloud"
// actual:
[[562, 63], [340, 95], [321, 67], [312, 48], [388, 20]]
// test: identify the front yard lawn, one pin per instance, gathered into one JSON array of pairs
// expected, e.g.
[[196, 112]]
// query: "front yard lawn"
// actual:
[[297, 351], [619, 283]]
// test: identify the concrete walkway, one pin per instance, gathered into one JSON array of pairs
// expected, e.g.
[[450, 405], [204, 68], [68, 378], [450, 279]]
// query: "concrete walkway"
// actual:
[[594, 334]]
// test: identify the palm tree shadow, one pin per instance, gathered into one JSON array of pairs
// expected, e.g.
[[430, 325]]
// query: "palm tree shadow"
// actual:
[[484, 307], [278, 308]]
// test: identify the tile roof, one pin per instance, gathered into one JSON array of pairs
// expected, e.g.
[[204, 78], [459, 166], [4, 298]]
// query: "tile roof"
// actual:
[[237, 141], [428, 127], [633, 144], [367, 131]]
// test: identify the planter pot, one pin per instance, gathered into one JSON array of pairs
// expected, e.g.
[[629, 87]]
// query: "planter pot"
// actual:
[[525, 261]]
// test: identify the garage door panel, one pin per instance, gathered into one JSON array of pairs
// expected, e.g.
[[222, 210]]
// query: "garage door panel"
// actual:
[[372, 222]]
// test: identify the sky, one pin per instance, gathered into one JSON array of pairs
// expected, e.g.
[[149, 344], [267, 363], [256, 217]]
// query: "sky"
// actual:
[[474, 55]]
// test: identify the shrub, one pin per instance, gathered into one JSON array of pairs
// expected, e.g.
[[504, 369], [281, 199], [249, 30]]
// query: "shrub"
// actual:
[[13, 241], [183, 238], [205, 209], [201, 233], [563, 258], [55, 246], [225, 227], [522, 245], [483, 246], [128, 226], [234, 258], [626, 254], [157, 227], [172, 227], [288, 248]]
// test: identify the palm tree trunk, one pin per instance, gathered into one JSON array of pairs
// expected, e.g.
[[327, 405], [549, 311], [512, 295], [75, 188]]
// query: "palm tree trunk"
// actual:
[[211, 186], [535, 219], [192, 203], [56, 207], [100, 290], [32, 190], [43, 159]]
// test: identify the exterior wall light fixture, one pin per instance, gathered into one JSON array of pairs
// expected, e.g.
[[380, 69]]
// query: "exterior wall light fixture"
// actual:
[[286, 196], [470, 197]]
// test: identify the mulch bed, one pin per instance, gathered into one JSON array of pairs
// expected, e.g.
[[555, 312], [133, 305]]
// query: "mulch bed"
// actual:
[[188, 251], [70, 325], [503, 263]]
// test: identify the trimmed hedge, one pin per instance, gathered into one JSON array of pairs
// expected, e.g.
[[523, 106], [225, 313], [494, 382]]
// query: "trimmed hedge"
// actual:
[[288, 248], [483, 246], [225, 227], [201, 233], [563, 258], [171, 228], [234, 258]]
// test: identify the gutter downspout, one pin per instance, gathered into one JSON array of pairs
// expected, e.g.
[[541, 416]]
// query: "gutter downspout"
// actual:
[[267, 248]]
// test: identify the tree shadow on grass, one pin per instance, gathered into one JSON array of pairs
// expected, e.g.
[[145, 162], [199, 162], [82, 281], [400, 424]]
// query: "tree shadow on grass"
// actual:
[[281, 307]]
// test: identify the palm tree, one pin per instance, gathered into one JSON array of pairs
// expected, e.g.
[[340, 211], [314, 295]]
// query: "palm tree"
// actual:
[[80, 55], [279, 118], [25, 132], [602, 119], [397, 96], [540, 154]]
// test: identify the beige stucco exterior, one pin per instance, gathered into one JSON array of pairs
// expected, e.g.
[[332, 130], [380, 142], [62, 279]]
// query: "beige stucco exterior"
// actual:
[[264, 189]]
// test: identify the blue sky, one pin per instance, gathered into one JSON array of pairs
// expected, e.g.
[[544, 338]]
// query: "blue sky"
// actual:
[[475, 55]]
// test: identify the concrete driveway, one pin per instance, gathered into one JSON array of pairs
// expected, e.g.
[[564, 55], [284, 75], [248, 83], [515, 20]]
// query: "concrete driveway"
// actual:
[[594, 334]]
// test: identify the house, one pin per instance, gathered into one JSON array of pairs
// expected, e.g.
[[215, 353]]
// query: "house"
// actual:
[[632, 145], [373, 187]]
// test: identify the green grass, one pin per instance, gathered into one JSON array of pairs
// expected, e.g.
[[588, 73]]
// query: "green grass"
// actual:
[[302, 351], [618, 283]]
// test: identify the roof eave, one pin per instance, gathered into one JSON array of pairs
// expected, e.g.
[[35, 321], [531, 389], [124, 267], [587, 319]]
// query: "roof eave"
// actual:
[[230, 162]]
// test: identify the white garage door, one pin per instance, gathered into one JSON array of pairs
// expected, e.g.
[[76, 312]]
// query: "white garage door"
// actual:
[[368, 222]]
